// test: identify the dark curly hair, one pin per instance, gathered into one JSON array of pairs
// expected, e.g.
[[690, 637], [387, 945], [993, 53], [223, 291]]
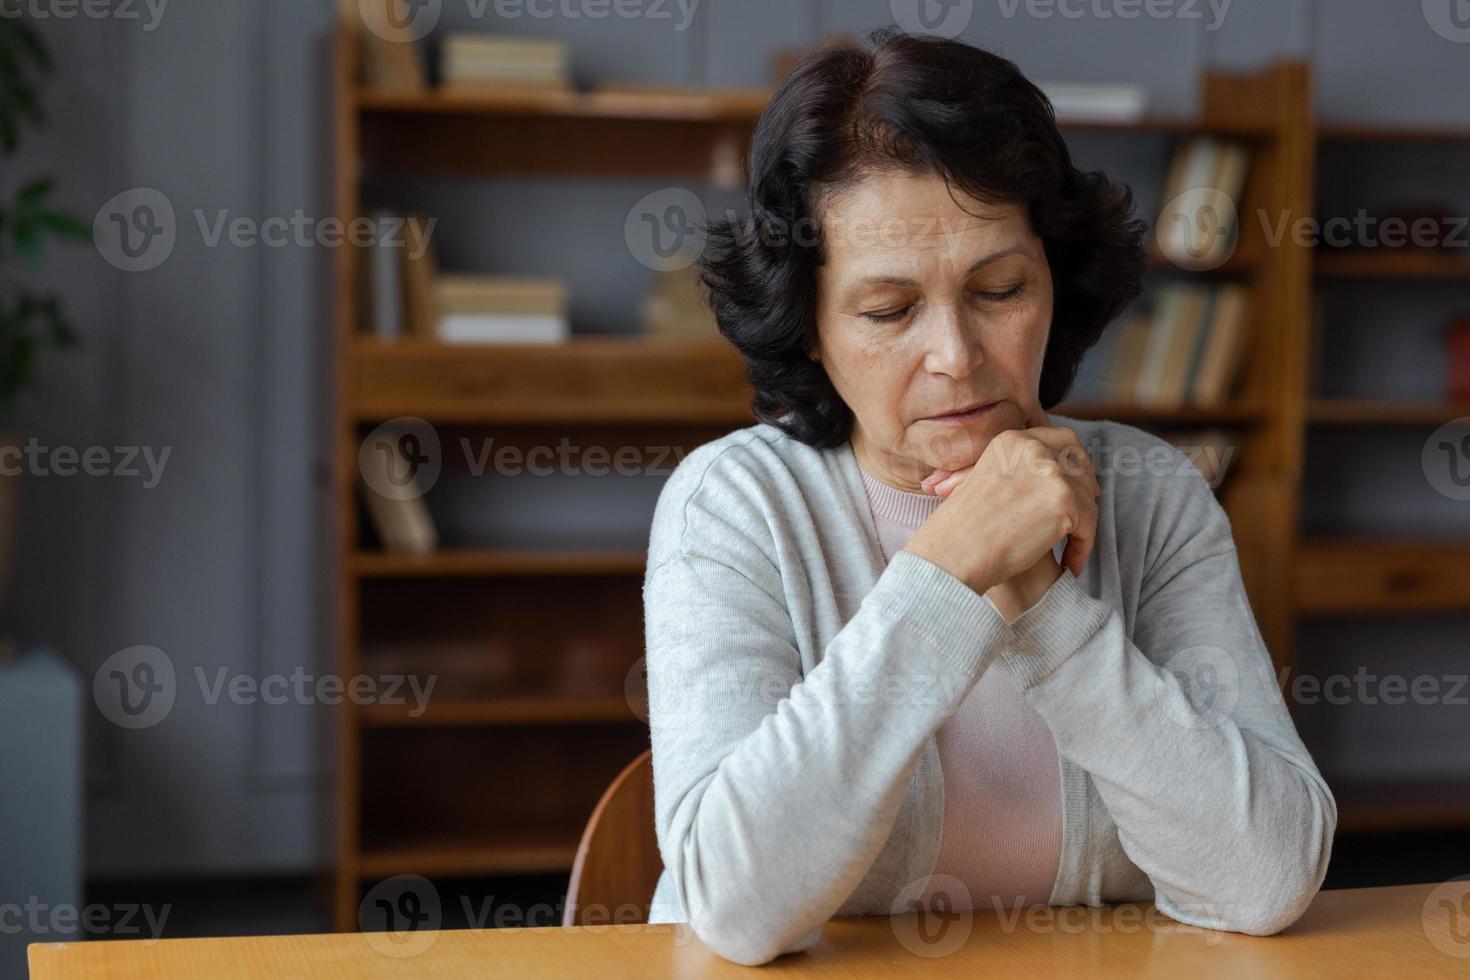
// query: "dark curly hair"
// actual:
[[917, 104]]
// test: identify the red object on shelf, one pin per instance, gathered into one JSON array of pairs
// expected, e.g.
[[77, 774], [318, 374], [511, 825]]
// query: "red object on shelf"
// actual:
[[1457, 356]]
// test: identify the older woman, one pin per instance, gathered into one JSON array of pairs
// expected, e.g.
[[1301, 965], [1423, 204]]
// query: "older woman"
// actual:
[[912, 643]]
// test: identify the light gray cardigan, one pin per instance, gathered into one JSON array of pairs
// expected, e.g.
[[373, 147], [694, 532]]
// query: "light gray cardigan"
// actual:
[[795, 685]]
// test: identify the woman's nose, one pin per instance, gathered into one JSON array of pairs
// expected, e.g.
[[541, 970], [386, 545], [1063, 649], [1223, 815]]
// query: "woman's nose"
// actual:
[[953, 342]]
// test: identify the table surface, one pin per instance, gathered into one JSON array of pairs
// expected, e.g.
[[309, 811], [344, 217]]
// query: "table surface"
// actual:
[[1412, 930]]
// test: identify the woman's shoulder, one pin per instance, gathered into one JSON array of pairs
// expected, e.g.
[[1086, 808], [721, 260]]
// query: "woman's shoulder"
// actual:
[[1161, 502], [734, 485], [1134, 463]]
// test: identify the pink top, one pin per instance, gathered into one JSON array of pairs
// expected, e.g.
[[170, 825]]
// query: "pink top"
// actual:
[[1002, 837]]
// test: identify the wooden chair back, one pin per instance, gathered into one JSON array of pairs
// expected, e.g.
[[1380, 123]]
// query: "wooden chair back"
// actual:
[[618, 863]]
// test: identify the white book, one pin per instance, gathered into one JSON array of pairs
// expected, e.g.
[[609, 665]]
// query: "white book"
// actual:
[[503, 328], [1184, 238], [1085, 101]]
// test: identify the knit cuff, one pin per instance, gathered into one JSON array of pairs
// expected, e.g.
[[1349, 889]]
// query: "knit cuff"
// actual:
[[958, 621], [1047, 634]]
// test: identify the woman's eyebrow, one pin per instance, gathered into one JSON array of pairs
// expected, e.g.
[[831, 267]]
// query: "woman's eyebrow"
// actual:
[[979, 263]]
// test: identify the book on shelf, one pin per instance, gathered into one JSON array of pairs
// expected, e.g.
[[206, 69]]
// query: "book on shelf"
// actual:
[[384, 277], [1198, 223], [479, 62], [501, 309], [1092, 102], [402, 521], [397, 271], [1457, 350], [1187, 351], [677, 305], [391, 61]]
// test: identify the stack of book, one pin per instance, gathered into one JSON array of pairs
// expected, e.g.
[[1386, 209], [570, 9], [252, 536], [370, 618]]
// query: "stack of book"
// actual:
[[1189, 350], [677, 305], [1197, 227], [1088, 102], [477, 309], [405, 294], [476, 62]]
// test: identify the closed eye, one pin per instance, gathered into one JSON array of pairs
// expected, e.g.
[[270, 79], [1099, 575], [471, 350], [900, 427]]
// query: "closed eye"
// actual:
[[889, 316], [1011, 293]]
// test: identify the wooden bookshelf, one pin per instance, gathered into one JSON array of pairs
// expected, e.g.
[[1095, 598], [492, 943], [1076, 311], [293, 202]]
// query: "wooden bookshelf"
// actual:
[[407, 800], [1345, 577]]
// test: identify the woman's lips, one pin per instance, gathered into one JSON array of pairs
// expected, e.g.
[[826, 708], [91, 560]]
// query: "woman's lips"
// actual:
[[963, 418]]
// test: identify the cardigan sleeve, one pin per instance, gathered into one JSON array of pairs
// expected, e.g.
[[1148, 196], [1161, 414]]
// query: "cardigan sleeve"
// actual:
[[775, 790], [1182, 727]]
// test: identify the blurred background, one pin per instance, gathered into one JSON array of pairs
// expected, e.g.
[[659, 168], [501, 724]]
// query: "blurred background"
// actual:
[[344, 348]]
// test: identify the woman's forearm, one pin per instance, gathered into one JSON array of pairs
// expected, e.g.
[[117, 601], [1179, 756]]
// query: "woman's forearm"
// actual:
[[775, 792], [1185, 736]]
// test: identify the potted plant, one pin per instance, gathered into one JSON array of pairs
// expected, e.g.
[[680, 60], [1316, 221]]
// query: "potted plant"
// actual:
[[30, 321]]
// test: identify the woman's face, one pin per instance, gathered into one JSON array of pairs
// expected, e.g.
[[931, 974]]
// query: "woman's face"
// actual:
[[925, 308]]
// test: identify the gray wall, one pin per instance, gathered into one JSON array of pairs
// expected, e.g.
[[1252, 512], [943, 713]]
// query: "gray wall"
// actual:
[[217, 352]]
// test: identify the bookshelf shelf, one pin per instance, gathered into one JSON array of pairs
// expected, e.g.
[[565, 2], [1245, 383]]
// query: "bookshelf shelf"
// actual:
[[1354, 411], [1360, 133], [622, 104], [1384, 576], [529, 710], [1422, 804], [502, 561], [1393, 263], [629, 103], [592, 380], [521, 851], [1233, 414], [1242, 262]]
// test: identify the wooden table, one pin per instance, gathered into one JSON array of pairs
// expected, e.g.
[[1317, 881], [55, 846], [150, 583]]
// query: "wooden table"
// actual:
[[1415, 930]]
